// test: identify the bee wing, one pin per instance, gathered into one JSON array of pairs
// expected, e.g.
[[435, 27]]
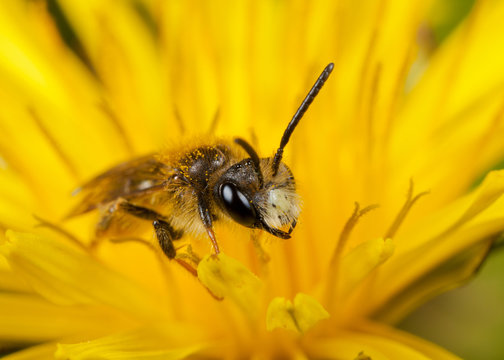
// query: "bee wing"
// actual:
[[134, 178]]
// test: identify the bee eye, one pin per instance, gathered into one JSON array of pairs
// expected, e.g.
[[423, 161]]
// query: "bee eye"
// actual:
[[237, 205]]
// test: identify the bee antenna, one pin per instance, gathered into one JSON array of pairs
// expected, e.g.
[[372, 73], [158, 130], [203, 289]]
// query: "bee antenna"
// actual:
[[299, 114], [253, 156]]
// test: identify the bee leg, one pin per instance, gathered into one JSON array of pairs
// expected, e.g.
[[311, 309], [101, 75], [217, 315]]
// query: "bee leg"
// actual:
[[110, 220], [206, 218], [106, 222], [165, 233], [140, 211]]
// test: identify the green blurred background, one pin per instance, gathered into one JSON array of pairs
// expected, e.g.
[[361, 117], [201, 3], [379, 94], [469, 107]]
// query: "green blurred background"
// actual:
[[468, 321]]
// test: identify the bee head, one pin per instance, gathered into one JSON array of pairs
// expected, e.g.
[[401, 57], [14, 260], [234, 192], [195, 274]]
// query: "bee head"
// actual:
[[260, 193], [254, 197]]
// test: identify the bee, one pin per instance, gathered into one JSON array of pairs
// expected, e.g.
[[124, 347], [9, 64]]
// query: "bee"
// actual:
[[186, 191]]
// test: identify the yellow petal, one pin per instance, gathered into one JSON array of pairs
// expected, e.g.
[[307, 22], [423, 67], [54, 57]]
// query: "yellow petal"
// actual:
[[227, 278], [126, 55], [443, 251], [197, 76], [149, 344], [66, 275], [39, 352], [455, 111], [15, 189], [376, 343], [300, 317], [483, 201], [86, 351], [358, 346], [29, 318], [490, 190], [415, 280], [361, 261], [9, 280], [432, 351], [33, 83]]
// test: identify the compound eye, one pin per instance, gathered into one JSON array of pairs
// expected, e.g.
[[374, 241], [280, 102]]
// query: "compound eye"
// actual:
[[237, 205]]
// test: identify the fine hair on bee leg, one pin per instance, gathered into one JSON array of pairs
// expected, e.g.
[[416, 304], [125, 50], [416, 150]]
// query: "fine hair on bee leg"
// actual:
[[206, 218], [140, 211], [165, 233]]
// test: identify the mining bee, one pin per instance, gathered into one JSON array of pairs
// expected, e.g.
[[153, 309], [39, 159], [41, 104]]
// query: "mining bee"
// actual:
[[187, 190]]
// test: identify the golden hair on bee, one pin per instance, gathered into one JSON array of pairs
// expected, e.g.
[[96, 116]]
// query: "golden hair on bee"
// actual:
[[185, 190]]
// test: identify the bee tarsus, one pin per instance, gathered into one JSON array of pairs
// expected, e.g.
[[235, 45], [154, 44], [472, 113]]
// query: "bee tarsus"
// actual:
[[165, 235]]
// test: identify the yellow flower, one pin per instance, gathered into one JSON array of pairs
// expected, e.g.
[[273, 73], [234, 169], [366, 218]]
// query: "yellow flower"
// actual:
[[88, 84]]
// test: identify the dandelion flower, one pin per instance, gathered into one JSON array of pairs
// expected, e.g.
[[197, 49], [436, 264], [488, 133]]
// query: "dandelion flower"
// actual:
[[385, 162]]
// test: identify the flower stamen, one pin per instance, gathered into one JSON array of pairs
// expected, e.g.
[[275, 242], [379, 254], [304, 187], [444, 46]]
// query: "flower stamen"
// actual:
[[54, 143], [263, 256], [299, 315], [115, 121], [347, 229], [371, 108], [58, 229], [334, 265], [399, 87], [410, 201], [215, 121]]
